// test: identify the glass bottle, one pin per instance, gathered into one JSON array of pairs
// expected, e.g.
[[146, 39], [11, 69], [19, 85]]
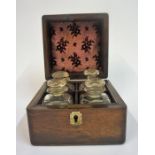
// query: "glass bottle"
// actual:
[[58, 95], [61, 75], [91, 74], [94, 89]]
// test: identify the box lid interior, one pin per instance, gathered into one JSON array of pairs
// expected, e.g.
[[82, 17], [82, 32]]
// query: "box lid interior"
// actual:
[[74, 43]]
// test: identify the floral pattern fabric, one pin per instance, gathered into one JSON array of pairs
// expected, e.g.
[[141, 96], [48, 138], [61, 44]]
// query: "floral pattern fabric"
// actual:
[[75, 45]]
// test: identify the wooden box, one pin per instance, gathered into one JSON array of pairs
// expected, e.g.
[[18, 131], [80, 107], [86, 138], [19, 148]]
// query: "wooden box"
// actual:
[[65, 48]]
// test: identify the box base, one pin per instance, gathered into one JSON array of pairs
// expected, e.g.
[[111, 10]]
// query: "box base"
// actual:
[[102, 124]]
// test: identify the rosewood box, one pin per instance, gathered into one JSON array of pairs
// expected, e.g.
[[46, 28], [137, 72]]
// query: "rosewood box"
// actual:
[[74, 43]]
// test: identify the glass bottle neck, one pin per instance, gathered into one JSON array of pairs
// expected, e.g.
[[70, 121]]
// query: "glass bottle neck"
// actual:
[[57, 91]]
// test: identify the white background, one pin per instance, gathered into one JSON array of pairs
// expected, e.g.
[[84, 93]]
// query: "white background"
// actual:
[[122, 65]]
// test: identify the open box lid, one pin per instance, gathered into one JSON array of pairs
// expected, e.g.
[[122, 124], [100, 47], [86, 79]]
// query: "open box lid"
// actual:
[[75, 42]]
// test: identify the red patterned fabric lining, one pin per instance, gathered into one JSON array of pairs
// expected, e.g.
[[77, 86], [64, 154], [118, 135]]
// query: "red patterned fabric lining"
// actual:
[[75, 45]]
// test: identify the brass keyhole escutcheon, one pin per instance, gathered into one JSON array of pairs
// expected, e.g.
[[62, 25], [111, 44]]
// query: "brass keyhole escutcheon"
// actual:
[[76, 118]]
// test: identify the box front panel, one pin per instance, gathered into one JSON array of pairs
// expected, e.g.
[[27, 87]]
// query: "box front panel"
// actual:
[[96, 126]]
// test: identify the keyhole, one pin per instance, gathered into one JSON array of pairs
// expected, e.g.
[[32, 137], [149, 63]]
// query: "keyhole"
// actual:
[[75, 118]]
